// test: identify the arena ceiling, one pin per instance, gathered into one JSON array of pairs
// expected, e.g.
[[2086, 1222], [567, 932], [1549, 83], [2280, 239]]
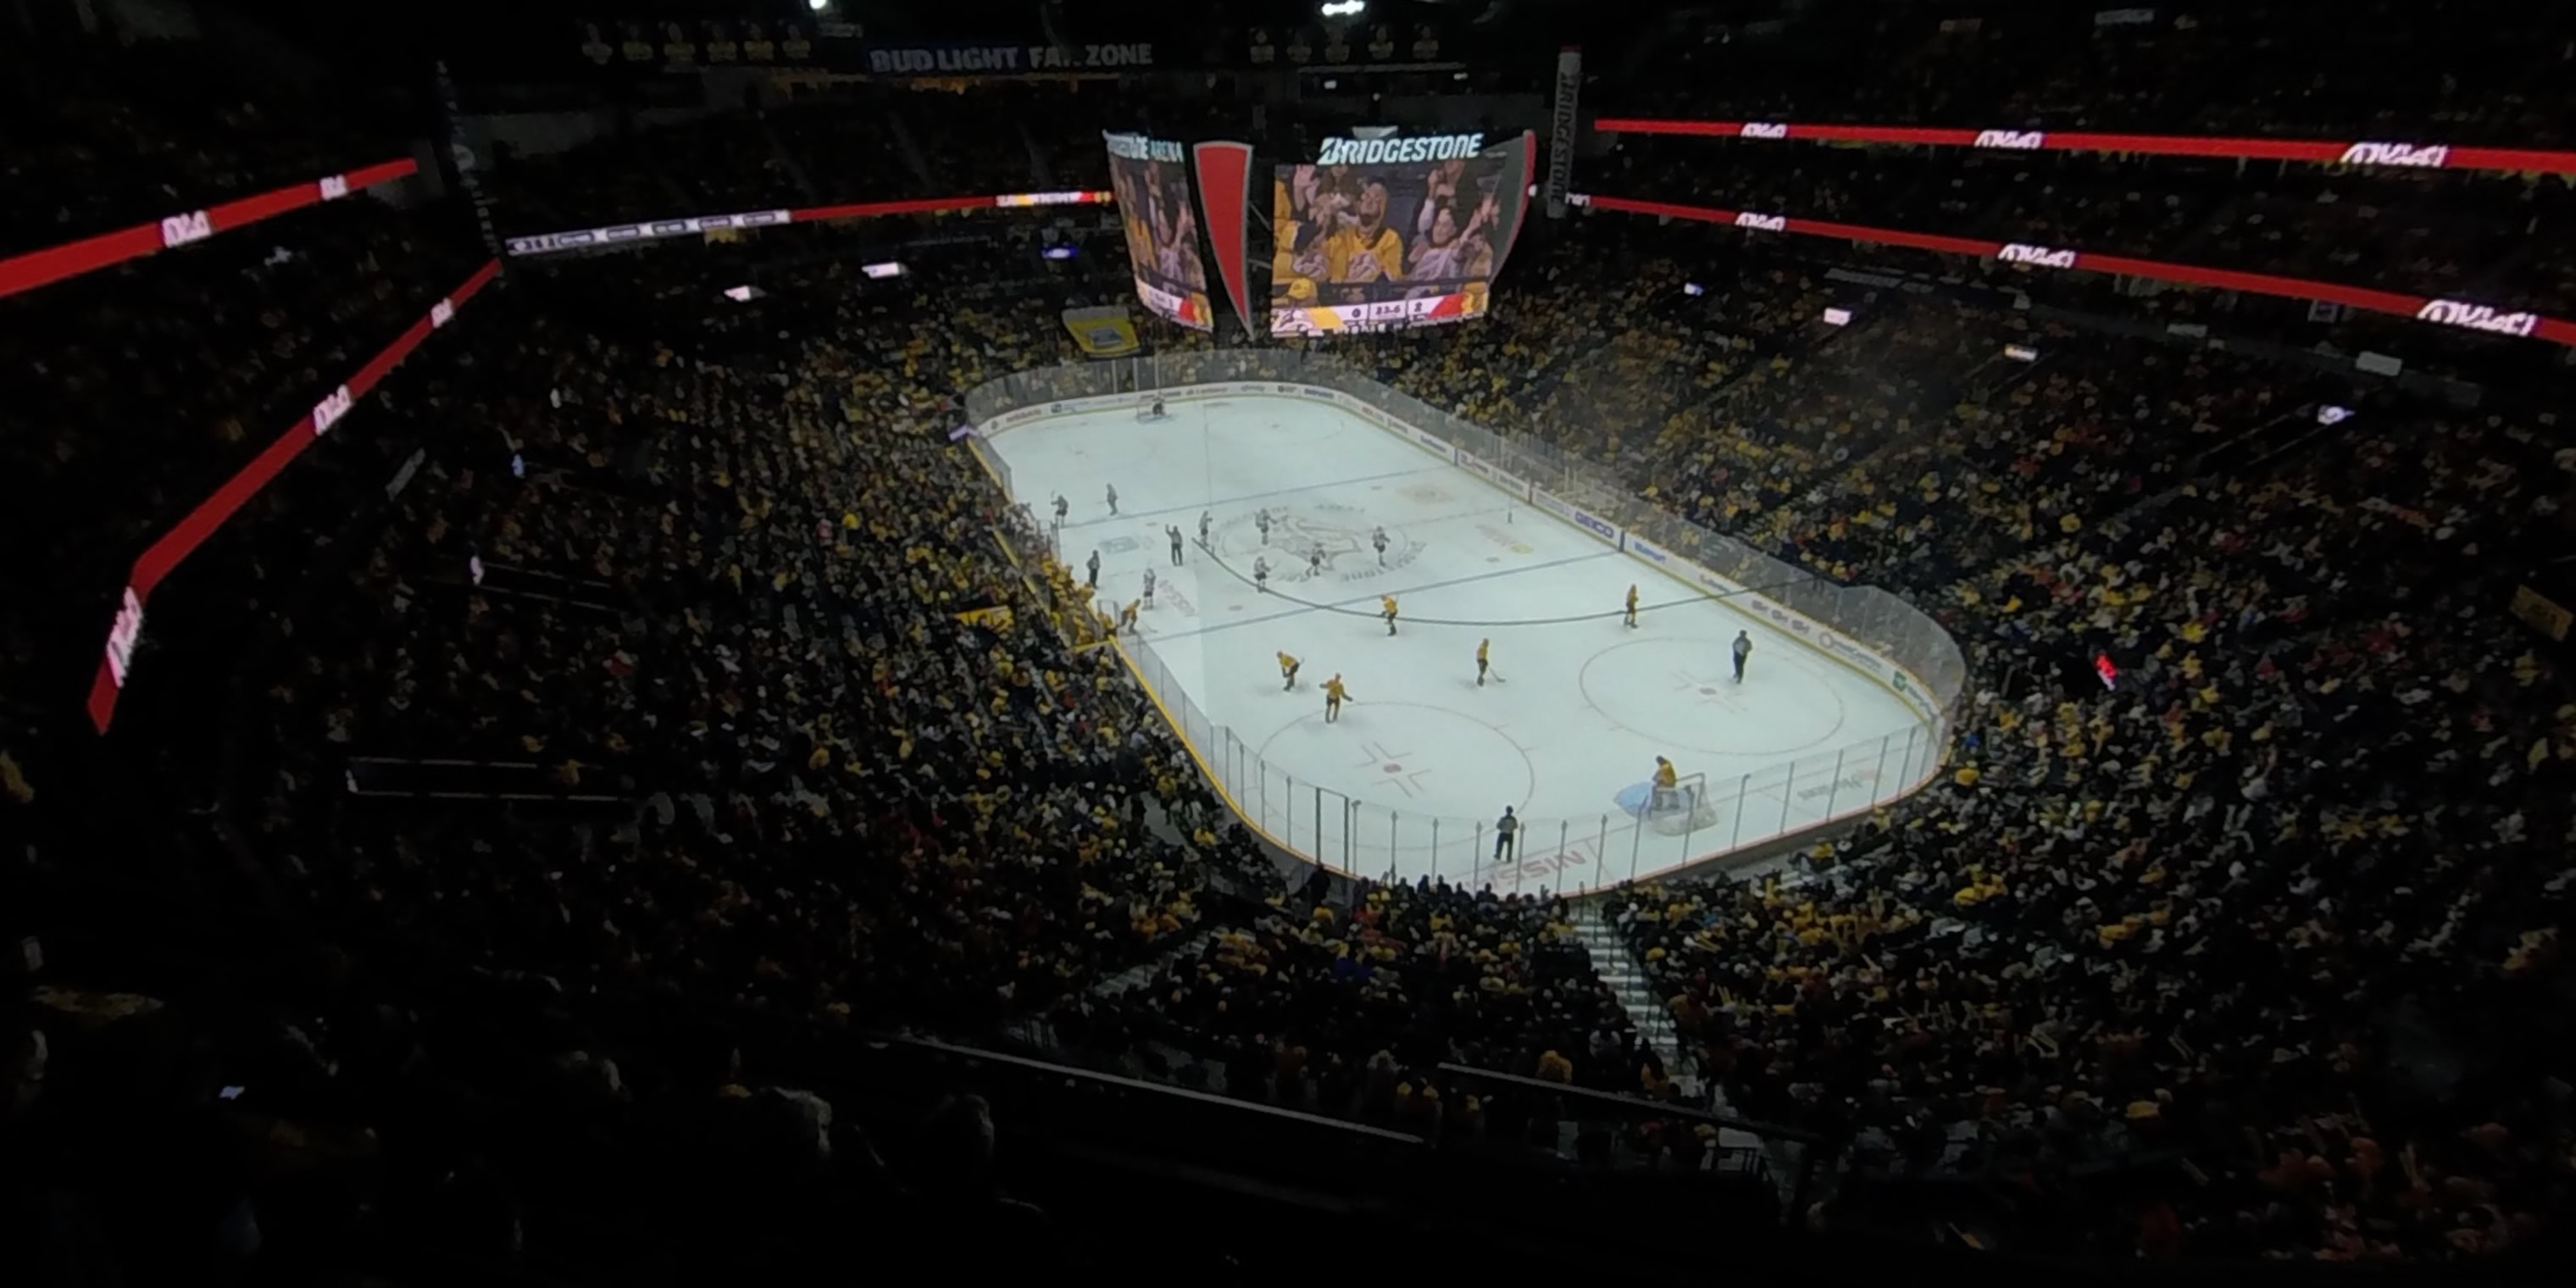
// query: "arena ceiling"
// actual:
[[454, 23]]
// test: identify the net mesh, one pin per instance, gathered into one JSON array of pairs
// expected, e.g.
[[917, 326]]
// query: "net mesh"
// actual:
[[1681, 808]]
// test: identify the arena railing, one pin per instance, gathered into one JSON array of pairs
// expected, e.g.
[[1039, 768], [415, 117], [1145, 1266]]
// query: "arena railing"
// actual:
[[1864, 628]]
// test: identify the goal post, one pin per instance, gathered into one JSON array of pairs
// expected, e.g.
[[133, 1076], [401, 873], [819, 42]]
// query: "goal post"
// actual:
[[1150, 407], [1682, 807]]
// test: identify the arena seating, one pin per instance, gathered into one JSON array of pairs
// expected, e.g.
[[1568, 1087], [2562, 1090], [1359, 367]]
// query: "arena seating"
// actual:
[[760, 738]]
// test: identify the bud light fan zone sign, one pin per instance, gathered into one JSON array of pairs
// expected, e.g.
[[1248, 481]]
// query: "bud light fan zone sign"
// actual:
[[1391, 232], [1152, 180], [965, 59]]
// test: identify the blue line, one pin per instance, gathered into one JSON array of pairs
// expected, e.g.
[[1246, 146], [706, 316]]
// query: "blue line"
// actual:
[[1409, 590], [1253, 496]]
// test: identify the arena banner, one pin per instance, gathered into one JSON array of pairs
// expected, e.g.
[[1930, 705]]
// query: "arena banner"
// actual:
[[640, 231], [1560, 130], [70, 259], [636, 232], [1011, 200], [1390, 232], [2415, 156], [2030, 257], [163, 556], [1102, 331], [971, 58], [2542, 613], [1152, 180], [1225, 205]]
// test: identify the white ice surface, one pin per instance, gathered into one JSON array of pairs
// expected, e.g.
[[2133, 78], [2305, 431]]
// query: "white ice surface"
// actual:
[[1412, 776]]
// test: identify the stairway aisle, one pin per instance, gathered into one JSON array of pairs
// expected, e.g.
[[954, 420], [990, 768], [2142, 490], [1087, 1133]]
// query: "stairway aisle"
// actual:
[[1186, 946], [1627, 978], [1618, 964]]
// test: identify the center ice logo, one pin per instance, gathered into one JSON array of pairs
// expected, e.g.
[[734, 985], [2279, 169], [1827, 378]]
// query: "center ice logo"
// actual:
[[1339, 531]]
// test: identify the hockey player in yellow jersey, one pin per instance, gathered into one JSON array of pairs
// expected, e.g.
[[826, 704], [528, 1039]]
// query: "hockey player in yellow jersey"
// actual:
[[1334, 694], [1667, 780], [1287, 672], [1386, 609], [1632, 607], [1483, 660], [1127, 615]]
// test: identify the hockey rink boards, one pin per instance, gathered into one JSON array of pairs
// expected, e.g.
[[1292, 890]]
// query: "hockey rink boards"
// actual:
[[1583, 704]]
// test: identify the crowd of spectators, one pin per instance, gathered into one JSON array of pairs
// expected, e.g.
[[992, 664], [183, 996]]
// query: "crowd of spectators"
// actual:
[[2314, 830], [2375, 70], [2494, 238], [822, 145], [1351, 1012], [832, 657], [818, 740], [2332, 763], [103, 137], [230, 343], [833, 144], [2457, 235]]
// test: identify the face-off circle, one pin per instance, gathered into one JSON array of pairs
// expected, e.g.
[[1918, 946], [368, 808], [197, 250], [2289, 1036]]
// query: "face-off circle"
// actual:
[[1681, 693], [1407, 756], [1344, 533]]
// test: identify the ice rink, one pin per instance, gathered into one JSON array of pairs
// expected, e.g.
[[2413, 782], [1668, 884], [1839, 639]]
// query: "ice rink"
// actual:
[[1422, 760]]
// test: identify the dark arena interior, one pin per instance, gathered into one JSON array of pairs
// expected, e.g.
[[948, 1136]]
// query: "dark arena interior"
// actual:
[[1797, 641]]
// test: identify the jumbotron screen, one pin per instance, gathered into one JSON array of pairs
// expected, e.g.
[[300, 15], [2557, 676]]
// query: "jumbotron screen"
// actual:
[[1152, 180], [1385, 233]]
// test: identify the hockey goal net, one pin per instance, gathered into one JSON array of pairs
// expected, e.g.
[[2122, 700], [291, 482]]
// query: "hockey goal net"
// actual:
[[1682, 807], [1150, 407]]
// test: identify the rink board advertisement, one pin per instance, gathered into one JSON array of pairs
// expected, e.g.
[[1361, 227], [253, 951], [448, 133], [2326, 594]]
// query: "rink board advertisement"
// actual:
[[1494, 475], [1797, 626], [1151, 178], [1387, 233]]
